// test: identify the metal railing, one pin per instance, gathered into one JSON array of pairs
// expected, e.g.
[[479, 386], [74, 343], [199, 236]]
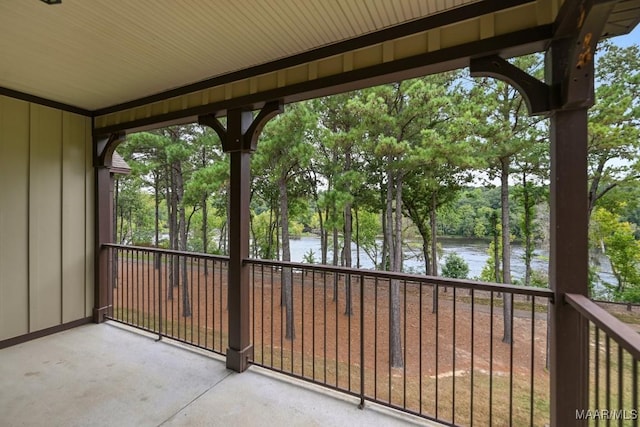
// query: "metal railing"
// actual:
[[613, 358], [429, 346], [179, 295]]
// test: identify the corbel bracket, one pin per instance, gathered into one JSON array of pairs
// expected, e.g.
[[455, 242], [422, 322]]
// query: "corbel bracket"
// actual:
[[536, 94], [243, 130], [104, 148]]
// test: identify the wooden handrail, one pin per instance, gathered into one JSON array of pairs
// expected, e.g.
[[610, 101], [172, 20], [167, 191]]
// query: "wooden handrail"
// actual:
[[621, 333]]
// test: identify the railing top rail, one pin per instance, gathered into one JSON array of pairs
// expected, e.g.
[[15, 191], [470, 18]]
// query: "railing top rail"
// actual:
[[431, 280], [622, 333], [166, 251]]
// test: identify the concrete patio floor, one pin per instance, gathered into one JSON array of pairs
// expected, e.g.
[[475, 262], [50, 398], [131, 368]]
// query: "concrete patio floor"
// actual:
[[109, 375]]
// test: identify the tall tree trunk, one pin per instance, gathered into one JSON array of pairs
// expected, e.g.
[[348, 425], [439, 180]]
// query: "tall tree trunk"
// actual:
[[205, 231], [595, 184], [425, 233], [205, 234], [323, 234], [396, 265], [433, 225], [272, 226], [182, 241], [277, 232], [336, 253], [347, 242], [347, 257], [496, 247], [169, 197], [287, 291], [434, 235], [156, 229], [324, 242], [358, 265], [156, 210], [388, 226], [506, 248], [527, 229]]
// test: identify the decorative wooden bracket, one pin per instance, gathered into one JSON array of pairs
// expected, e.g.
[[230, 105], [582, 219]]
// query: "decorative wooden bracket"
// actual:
[[104, 148], [536, 94], [243, 130]]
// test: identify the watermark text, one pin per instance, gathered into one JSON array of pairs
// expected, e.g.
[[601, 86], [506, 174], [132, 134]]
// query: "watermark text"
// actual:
[[606, 414]]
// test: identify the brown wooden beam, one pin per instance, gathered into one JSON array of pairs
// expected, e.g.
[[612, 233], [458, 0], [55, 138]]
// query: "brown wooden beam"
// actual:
[[579, 26], [514, 44], [239, 140]]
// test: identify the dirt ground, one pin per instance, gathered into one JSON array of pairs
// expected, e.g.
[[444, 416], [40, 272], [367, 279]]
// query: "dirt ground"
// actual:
[[454, 367]]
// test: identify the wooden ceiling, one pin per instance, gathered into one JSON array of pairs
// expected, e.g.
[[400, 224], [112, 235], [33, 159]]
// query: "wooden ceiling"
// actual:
[[98, 53], [123, 60]]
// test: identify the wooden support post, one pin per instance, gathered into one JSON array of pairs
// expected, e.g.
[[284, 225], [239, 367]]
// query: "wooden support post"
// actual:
[[104, 200], [240, 350], [103, 151], [568, 265], [570, 69], [239, 140]]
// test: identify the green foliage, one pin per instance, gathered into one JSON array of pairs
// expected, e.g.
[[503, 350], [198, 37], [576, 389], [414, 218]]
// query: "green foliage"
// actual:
[[263, 235], [623, 250], [366, 235], [539, 279], [614, 122], [309, 257], [455, 266]]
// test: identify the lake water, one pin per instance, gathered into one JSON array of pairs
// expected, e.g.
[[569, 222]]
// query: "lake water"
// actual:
[[474, 252]]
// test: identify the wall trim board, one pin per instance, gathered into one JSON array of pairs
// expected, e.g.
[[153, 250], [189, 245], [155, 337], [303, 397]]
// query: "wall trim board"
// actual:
[[44, 332], [44, 102]]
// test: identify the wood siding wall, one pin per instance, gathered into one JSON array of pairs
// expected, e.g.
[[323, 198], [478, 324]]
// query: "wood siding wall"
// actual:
[[46, 217]]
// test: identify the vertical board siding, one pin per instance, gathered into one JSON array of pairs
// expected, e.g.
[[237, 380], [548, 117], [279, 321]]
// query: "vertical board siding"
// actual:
[[89, 191], [73, 217], [46, 217], [14, 212]]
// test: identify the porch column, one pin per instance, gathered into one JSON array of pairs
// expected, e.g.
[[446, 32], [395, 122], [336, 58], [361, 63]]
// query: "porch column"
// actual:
[[569, 257], [568, 265], [103, 152], [239, 140]]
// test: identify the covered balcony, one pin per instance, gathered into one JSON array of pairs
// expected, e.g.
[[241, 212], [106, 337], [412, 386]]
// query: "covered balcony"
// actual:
[[76, 78]]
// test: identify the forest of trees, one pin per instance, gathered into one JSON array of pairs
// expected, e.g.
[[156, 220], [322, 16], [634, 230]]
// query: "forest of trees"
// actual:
[[396, 165]]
